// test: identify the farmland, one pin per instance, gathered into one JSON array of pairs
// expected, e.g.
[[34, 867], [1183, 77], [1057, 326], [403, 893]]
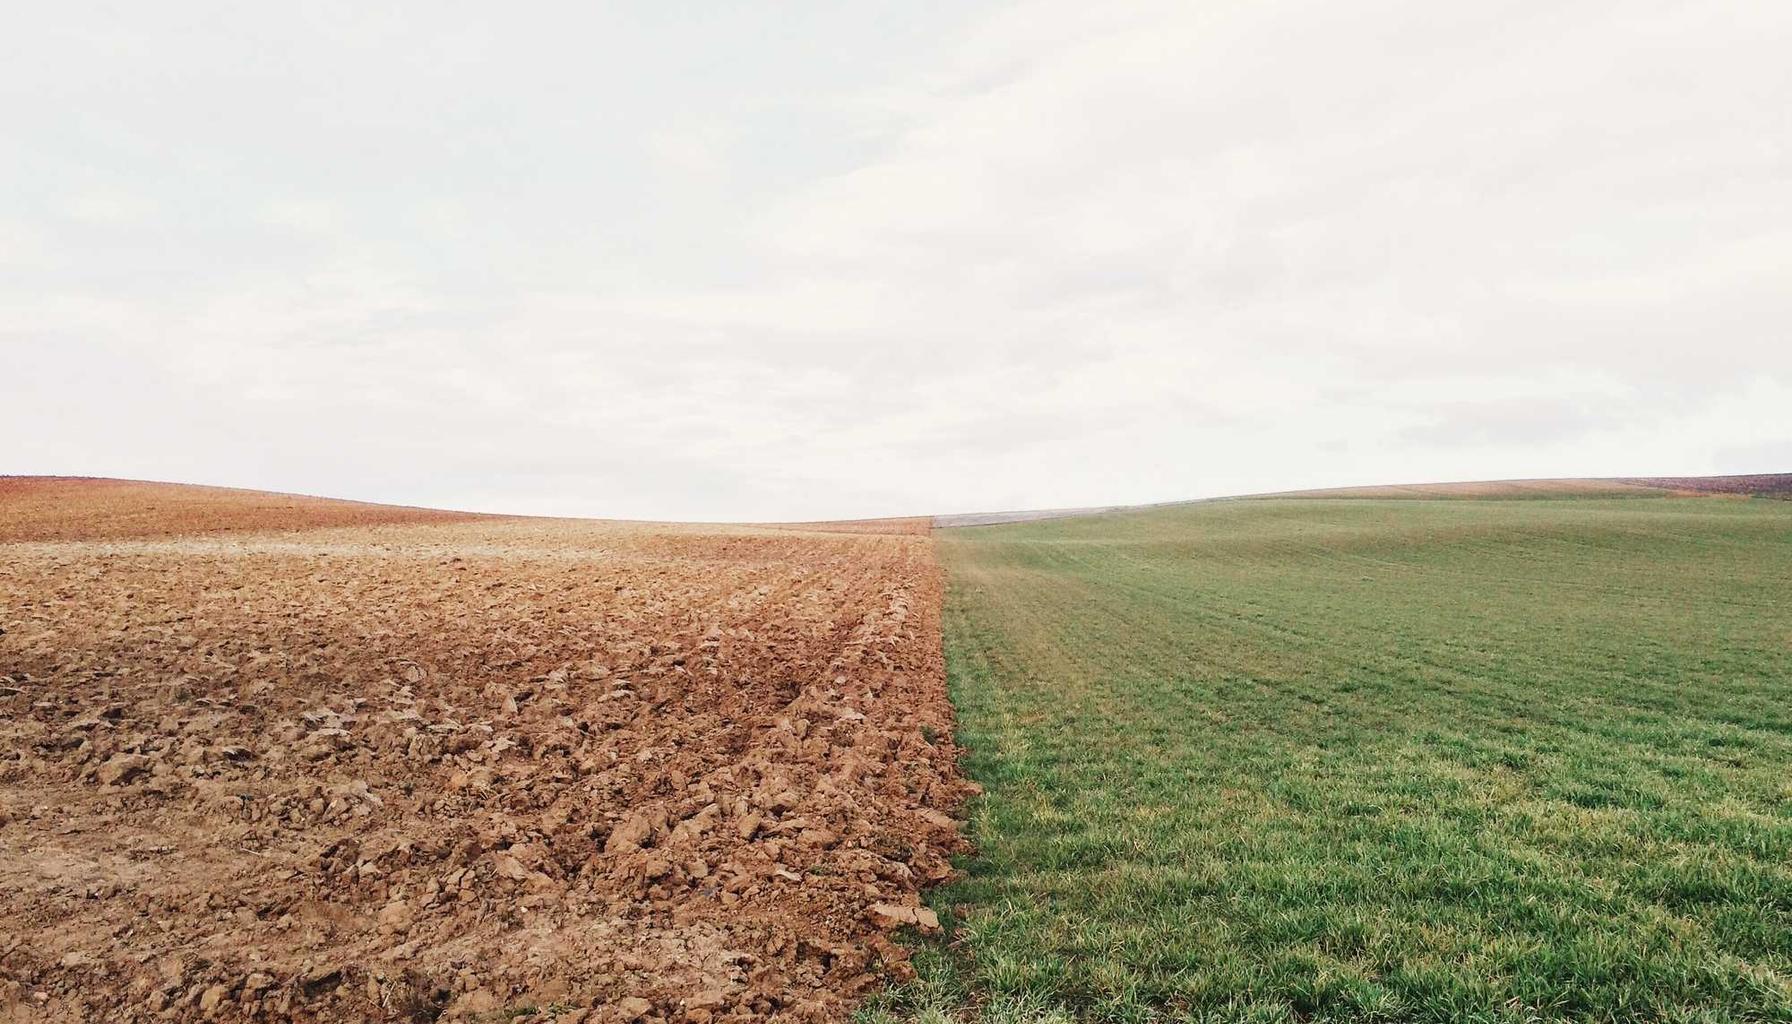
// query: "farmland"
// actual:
[[1501, 751], [1374, 759], [277, 758]]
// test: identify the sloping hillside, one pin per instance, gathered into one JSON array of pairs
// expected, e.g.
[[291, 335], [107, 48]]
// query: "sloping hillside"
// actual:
[[95, 508]]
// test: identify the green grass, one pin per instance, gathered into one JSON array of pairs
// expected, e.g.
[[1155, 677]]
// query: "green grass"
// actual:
[[1373, 760]]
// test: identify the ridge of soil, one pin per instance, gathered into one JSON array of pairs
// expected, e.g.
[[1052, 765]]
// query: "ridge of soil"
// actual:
[[469, 768]]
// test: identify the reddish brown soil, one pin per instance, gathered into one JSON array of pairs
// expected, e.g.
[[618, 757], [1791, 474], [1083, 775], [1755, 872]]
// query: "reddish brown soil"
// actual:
[[1778, 485], [84, 508], [461, 768]]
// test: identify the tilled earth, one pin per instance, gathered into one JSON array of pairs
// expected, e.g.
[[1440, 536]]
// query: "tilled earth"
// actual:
[[476, 767]]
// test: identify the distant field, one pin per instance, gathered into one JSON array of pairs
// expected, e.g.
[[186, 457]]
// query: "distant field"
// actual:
[[1762, 484], [52, 508], [1556, 488], [1374, 760]]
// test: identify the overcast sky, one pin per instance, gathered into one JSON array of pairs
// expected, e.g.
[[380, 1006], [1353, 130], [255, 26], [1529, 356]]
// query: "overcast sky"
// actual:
[[802, 261]]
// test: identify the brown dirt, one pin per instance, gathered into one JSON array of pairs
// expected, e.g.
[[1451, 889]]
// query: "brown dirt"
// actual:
[[1772, 485], [86, 508], [461, 768]]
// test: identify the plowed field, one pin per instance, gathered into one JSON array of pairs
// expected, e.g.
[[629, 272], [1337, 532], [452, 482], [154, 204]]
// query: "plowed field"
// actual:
[[427, 765], [85, 508]]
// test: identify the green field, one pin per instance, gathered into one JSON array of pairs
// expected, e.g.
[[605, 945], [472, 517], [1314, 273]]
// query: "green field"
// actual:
[[1373, 760]]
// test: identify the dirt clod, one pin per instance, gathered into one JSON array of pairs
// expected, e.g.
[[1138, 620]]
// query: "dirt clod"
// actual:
[[888, 915], [121, 768]]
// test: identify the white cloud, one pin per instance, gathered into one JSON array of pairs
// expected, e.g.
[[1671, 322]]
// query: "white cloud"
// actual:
[[904, 260]]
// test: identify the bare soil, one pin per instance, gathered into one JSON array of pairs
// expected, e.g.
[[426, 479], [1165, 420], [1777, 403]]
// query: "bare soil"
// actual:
[[1776, 485], [430, 766], [89, 508]]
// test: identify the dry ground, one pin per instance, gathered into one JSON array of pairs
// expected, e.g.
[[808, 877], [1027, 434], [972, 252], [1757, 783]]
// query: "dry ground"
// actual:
[[88, 508], [393, 764], [1776, 485]]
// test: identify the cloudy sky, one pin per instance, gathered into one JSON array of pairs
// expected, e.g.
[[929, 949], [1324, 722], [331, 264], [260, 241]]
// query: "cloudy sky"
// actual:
[[798, 261]]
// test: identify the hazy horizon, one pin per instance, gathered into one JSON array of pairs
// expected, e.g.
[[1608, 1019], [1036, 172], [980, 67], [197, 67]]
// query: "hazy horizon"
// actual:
[[893, 259]]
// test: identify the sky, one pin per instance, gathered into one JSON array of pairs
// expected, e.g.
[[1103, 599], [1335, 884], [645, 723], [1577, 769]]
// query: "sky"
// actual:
[[819, 260]]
